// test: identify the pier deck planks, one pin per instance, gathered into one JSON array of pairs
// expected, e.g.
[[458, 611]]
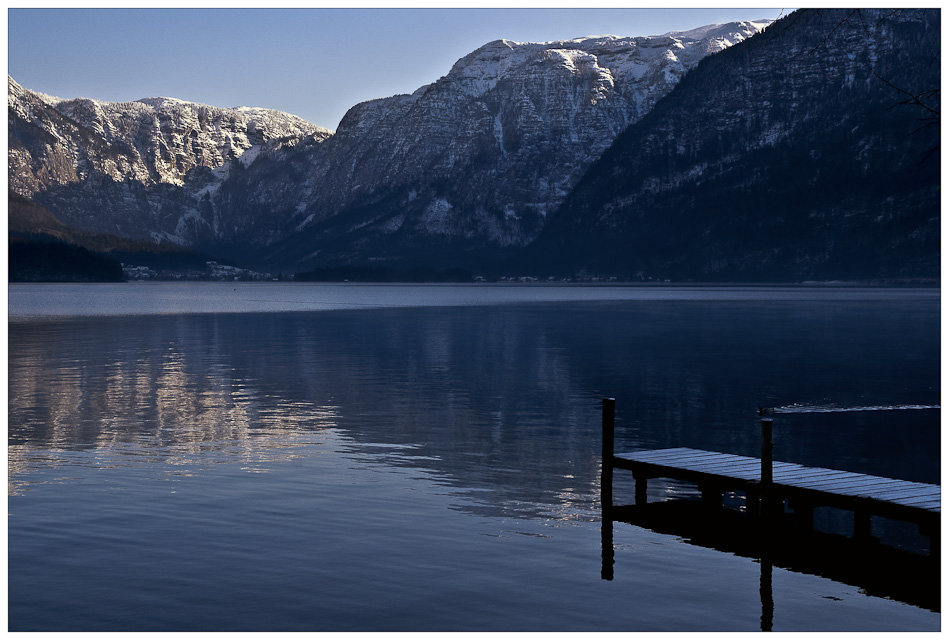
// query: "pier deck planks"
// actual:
[[835, 487]]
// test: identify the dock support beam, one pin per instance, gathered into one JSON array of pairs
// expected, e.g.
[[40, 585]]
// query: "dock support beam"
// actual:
[[641, 482], [862, 525], [766, 512], [767, 473], [803, 514], [606, 490], [931, 531], [606, 478], [711, 496]]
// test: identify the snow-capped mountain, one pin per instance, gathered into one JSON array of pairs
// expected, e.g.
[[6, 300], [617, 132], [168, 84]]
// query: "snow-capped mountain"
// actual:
[[480, 157], [156, 140], [137, 168], [808, 152], [474, 161]]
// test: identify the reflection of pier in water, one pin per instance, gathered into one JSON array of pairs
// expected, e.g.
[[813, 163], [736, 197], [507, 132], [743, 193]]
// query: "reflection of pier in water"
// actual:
[[877, 569], [774, 523]]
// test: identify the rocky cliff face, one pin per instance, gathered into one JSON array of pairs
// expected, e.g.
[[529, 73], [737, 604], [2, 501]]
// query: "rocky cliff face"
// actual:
[[474, 162], [138, 169], [477, 160], [808, 152]]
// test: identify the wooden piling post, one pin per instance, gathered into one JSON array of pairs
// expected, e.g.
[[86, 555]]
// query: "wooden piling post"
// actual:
[[765, 511], [711, 495], [862, 524], [766, 591], [606, 478], [767, 473], [931, 531], [641, 481], [606, 489], [606, 547], [804, 514]]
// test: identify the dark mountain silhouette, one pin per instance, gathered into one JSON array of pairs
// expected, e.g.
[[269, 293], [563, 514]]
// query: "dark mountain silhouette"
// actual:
[[807, 152]]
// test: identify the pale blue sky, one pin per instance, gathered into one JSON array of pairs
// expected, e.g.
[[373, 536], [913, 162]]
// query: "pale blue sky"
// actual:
[[315, 63]]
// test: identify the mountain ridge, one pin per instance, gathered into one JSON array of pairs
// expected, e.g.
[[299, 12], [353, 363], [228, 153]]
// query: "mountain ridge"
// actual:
[[804, 164], [642, 156], [476, 158]]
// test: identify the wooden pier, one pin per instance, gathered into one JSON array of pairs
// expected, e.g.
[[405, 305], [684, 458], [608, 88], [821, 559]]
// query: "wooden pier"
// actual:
[[771, 486], [776, 526]]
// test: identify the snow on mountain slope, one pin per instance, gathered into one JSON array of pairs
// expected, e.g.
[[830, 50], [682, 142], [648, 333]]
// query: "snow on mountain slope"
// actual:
[[475, 159], [492, 146], [796, 156], [107, 166], [158, 139]]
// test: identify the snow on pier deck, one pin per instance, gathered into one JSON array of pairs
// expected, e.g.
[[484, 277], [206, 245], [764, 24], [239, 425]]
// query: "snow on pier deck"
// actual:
[[713, 471], [770, 483]]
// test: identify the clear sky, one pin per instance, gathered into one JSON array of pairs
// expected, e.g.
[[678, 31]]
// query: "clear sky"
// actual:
[[313, 62]]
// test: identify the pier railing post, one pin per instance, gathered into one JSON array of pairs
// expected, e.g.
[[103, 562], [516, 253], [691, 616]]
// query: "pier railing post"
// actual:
[[606, 478]]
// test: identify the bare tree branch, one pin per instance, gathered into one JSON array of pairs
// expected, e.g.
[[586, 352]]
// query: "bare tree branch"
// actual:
[[912, 98], [837, 26]]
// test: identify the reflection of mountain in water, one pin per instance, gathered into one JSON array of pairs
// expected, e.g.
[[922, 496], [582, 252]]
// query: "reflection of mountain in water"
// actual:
[[145, 389], [500, 402]]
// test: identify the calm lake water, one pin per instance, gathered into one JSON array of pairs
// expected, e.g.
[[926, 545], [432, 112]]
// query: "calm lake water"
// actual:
[[248, 457]]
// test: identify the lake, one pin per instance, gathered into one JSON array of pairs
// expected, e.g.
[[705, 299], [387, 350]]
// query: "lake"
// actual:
[[313, 457]]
